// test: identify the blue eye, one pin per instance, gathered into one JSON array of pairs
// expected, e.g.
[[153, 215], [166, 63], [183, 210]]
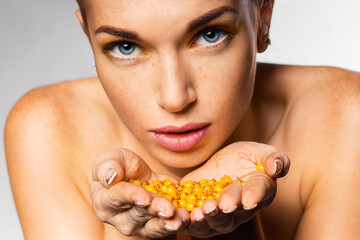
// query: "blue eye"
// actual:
[[126, 48], [211, 36]]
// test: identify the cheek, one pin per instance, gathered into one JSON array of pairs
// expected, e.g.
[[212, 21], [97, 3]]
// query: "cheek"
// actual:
[[227, 82], [125, 89]]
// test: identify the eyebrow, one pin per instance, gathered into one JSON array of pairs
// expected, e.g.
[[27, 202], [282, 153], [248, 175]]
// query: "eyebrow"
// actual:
[[118, 32], [194, 24], [207, 17]]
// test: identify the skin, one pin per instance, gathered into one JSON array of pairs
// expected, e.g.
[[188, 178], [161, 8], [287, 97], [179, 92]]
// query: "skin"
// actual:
[[309, 113]]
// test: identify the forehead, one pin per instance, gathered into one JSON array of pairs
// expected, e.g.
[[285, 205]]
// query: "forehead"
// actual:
[[132, 14]]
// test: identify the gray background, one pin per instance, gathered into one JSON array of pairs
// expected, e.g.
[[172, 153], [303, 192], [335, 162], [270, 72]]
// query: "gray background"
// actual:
[[41, 42]]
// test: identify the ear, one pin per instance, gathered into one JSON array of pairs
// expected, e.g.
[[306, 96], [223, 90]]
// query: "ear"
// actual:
[[82, 22], [265, 14]]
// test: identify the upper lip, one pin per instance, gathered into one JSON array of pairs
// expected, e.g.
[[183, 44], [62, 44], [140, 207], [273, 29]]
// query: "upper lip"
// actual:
[[184, 128]]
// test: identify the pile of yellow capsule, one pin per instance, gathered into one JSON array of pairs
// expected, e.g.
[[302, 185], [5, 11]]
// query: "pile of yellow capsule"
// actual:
[[189, 194]]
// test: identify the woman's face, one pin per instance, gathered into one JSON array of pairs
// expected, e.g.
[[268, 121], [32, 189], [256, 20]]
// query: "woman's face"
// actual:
[[180, 74]]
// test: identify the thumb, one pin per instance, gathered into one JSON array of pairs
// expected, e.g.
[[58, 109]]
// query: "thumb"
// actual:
[[118, 165]]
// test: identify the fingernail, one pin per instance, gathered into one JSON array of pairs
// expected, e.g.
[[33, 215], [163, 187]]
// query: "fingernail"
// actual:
[[277, 166], [163, 215], [200, 219], [110, 175], [250, 208], [168, 227], [231, 210], [212, 212], [142, 204]]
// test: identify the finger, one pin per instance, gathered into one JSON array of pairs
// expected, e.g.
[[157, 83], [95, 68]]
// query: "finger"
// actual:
[[160, 227], [198, 226], [120, 164], [259, 191], [276, 164], [124, 195], [217, 220], [230, 197]]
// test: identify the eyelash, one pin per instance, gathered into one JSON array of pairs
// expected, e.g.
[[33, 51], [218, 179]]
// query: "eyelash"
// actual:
[[108, 47], [207, 28]]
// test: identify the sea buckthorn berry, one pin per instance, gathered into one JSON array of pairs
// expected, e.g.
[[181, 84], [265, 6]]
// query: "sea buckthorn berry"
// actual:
[[242, 183], [188, 184], [203, 181], [260, 167], [212, 182], [163, 188], [168, 197], [218, 187], [208, 190], [137, 182], [191, 198], [188, 195], [187, 190], [198, 190], [226, 180], [217, 196], [211, 197], [190, 206], [183, 195], [200, 202], [182, 203], [176, 203], [156, 182], [167, 182]]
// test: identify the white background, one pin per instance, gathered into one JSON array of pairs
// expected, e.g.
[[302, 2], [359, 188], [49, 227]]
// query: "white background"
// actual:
[[41, 42]]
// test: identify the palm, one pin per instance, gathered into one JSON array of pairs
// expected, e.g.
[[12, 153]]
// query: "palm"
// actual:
[[237, 160]]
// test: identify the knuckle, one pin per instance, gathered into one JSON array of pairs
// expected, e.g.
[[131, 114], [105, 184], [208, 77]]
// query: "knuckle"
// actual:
[[128, 229]]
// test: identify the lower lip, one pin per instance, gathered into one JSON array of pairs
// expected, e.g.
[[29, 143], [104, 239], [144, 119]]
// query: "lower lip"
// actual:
[[181, 141]]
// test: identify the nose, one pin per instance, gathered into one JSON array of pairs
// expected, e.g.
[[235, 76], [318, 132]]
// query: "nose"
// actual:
[[176, 92]]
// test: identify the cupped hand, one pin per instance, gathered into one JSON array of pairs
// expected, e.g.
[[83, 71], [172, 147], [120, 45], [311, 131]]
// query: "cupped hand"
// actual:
[[250, 190], [128, 207]]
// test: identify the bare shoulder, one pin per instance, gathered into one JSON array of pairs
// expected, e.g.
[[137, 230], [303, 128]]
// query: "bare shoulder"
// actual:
[[321, 133], [47, 154]]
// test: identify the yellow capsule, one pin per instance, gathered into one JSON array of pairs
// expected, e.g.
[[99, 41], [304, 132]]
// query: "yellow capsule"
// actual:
[[260, 167]]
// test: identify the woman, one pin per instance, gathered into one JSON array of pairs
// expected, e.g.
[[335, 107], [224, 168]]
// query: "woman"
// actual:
[[181, 102]]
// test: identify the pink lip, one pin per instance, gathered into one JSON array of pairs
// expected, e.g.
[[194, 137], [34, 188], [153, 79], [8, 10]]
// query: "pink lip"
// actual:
[[181, 138]]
